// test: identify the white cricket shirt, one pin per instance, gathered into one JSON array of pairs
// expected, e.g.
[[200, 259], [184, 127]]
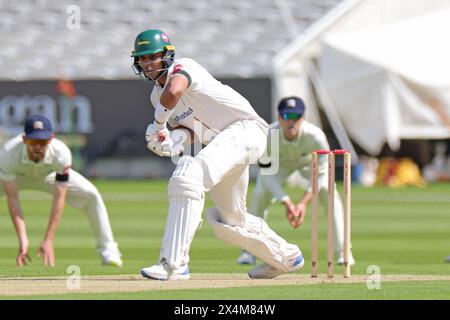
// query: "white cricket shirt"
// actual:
[[14, 161], [294, 155], [207, 106]]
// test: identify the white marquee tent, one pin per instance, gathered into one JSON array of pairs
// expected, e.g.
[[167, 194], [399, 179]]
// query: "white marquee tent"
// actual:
[[380, 70]]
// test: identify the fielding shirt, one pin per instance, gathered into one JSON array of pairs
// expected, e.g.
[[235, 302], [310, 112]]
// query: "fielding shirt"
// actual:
[[14, 161], [294, 155], [207, 106]]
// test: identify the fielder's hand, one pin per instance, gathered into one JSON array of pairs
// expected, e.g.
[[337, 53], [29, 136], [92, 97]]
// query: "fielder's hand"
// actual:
[[23, 256], [47, 253], [294, 213], [299, 215], [291, 211]]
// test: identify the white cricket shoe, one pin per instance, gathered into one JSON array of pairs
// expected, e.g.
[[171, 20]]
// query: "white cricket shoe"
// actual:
[[111, 257], [447, 259], [246, 258], [266, 271], [351, 260], [162, 271]]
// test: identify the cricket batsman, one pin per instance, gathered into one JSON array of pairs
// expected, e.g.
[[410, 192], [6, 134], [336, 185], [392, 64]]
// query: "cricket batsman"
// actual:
[[36, 160], [297, 140], [191, 100]]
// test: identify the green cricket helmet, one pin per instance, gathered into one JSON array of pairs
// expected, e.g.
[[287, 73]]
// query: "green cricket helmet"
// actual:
[[149, 42]]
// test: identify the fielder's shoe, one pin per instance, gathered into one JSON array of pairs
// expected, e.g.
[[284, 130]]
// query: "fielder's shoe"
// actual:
[[340, 259], [246, 258], [266, 271], [111, 257], [162, 271], [447, 259]]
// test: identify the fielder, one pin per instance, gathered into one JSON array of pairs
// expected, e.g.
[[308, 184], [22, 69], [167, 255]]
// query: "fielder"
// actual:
[[38, 161], [297, 140], [186, 96]]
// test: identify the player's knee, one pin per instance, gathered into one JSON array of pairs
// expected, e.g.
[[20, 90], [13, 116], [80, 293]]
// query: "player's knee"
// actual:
[[232, 233], [92, 195], [218, 227], [187, 179]]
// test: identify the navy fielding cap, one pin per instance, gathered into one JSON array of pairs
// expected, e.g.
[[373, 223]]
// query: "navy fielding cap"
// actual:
[[291, 105], [38, 127]]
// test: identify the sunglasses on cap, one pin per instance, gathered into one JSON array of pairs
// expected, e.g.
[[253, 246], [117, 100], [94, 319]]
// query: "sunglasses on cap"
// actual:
[[290, 116], [35, 142]]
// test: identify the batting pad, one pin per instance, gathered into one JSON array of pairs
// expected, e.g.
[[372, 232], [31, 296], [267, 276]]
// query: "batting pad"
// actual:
[[257, 238], [186, 201]]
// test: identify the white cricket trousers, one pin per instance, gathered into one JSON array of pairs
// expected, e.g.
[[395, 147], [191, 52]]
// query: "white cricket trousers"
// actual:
[[81, 194], [222, 168], [271, 187]]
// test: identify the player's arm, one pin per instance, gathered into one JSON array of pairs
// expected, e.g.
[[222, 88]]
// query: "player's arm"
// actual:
[[15, 211], [306, 198], [174, 89], [159, 139], [59, 198], [300, 213]]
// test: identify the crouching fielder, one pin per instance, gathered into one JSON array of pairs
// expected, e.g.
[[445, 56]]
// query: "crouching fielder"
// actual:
[[296, 139], [38, 161], [187, 96]]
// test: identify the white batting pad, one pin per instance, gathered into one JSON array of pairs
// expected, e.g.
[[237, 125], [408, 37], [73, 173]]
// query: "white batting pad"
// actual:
[[257, 238], [186, 200]]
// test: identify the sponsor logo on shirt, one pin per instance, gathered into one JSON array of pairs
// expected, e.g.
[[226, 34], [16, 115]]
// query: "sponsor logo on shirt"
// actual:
[[184, 115]]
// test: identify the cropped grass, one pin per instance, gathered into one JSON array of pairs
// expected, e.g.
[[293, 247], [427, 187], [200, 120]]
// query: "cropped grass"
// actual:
[[401, 231]]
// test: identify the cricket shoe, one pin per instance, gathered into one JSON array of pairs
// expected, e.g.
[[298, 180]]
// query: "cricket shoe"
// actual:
[[111, 257], [162, 271], [266, 271], [351, 260], [246, 258], [447, 259]]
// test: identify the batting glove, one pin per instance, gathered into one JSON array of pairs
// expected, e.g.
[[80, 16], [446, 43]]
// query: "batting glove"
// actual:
[[163, 142], [159, 141]]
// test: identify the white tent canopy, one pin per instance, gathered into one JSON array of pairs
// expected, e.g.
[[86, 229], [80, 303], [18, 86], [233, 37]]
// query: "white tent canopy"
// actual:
[[387, 80], [367, 73]]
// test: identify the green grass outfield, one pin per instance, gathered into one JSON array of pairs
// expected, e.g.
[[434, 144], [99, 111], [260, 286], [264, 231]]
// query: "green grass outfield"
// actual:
[[402, 231]]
